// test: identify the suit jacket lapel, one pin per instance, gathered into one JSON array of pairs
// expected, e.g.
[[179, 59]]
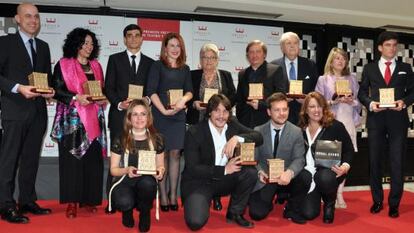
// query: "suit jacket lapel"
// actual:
[[301, 71], [209, 142], [284, 137], [379, 74], [140, 67], [127, 63], [282, 63], [395, 73], [21, 47], [267, 140]]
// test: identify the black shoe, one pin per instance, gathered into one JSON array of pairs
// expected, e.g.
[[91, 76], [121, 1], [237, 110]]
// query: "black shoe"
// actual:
[[113, 211], [293, 216], [393, 212], [13, 216], [217, 204], [376, 207], [165, 208], [34, 208], [174, 207], [128, 219], [239, 219], [328, 213], [144, 221]]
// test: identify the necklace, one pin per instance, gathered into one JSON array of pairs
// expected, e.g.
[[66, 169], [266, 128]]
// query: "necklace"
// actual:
[[86, 67], [138, 133]]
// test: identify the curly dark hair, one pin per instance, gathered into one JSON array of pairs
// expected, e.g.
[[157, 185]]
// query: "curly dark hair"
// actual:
[[74, 41]]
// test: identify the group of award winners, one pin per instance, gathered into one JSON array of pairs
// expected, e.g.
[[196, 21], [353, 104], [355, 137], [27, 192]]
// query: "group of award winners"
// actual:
[[160, 110]]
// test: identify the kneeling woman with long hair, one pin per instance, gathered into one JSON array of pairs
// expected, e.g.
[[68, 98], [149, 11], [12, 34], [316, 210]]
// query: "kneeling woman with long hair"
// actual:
[[130, 190]]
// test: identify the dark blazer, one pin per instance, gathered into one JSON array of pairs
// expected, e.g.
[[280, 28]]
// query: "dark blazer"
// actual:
[[334, 132], [308, 73], [291, 149], [15, 67], [273, 82], [200, 155], [118, 76], [227, 89], [402, 80]]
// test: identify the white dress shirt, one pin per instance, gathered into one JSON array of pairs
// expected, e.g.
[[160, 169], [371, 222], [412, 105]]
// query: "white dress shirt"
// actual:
[[310, 161]]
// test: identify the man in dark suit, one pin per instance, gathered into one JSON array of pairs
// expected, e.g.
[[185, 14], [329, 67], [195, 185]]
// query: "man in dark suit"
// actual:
[[296, 67], [124, 68], [281, 140], [252, 113], [387, 124], [210, 169], [24, 115]]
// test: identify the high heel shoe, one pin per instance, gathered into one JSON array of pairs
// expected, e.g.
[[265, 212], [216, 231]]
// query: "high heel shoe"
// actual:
[[71, 210], [174, 207], [165, 208], [91, 208]]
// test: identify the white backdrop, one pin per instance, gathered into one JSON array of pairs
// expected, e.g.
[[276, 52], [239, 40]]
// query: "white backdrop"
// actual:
[[230, 38]]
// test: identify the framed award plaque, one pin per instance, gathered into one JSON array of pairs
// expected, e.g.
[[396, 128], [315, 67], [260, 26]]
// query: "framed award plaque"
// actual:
[[208, 93], [386, 98], [342, 88], [246, 153], [276, 168], [174, 95], [146, 162], [255, 91], [40, 83], [296, 89], [135, 92], [94, 90]]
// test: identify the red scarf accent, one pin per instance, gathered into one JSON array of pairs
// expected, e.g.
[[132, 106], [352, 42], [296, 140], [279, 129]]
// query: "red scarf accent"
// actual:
[[74, 77]]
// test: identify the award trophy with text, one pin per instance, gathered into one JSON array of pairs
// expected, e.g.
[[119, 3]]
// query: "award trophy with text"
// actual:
[[276, 168], [40, 83], [296, 89]]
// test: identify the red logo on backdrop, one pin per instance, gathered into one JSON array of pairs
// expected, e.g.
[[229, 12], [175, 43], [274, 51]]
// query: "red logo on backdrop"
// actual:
[[222, 48], [113, 43], [273, 33], [93, 22], [238, 68], [155, 29], [50, 20], [202, 28], [239, 30]]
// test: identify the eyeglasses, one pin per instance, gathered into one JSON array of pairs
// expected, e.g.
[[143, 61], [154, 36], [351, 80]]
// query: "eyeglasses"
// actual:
[[209, 58]]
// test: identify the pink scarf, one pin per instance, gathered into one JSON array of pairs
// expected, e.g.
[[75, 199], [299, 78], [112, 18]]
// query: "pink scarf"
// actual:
[[74, 77]]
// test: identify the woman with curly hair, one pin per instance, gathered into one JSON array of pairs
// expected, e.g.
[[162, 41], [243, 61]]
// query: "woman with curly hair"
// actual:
[[79, 124], [318, 123]]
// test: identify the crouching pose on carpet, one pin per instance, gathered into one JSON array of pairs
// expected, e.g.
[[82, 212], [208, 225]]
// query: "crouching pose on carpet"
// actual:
[[129, 189], [210, 169]]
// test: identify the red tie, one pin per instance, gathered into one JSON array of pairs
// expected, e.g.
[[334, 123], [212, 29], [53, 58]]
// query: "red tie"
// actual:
[[387, 74]]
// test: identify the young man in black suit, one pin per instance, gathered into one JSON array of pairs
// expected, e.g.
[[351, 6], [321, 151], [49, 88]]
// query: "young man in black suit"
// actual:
[[252, 113], [296, 67], [124, 68], [387, 124], [24, 114], [210, 168]]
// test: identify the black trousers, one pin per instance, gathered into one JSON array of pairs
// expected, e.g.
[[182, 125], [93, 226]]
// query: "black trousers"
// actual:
[[20, 150], [261, 201], [326, 188], [137, 193], [239, 185], [397, 142]]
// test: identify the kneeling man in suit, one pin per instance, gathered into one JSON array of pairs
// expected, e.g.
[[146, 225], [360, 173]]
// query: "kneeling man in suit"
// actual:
[[210, 168], [281, 140]]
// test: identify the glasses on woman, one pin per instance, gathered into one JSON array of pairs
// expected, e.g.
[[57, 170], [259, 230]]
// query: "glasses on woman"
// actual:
[[209, 58]]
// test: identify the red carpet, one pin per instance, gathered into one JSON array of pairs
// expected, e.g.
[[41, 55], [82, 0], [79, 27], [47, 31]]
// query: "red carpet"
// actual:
[[354, 219]]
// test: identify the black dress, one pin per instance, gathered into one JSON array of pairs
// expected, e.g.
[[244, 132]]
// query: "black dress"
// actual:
[[161, 79], [81, 178]]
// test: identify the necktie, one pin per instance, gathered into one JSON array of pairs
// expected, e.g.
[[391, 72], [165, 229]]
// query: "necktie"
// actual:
[[133, 65], [34, 55], [276, 142], [292, 71], [387, 74]]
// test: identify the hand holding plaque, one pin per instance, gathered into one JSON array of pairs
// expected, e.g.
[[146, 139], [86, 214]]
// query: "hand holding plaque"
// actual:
[[146, 162], [296, 89], [94, 90], [255, 91], [174, 95], [135, 92], [342, 88], [246, 153], [208, 93], [387, 98], [276, 168], [40, 83]]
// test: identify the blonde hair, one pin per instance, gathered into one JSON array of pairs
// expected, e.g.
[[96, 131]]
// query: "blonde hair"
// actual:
[[209, 47], [328, 65]]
